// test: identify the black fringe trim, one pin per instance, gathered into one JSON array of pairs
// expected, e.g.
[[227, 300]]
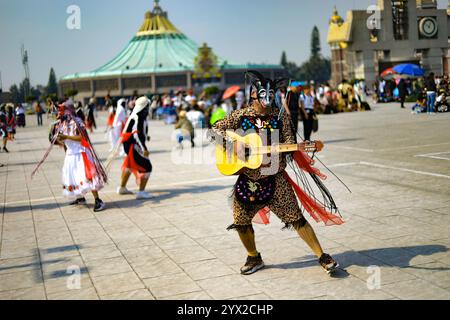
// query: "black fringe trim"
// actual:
[[296, 225], [240, 229]]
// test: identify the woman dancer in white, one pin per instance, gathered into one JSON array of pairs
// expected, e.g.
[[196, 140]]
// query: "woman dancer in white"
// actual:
[[82, 171]]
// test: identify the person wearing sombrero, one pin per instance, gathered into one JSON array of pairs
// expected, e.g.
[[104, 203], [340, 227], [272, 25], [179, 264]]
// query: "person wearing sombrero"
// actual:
[[269, 188]]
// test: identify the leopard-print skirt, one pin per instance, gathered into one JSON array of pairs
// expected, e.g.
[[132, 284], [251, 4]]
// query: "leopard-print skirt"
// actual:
[[283, 204]]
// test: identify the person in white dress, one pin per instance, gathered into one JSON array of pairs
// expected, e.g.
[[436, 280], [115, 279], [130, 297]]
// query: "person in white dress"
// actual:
[[118, 124], [82, 172]]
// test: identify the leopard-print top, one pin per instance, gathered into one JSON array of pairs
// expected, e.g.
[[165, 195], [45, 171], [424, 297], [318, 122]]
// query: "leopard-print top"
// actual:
[[233, 122]]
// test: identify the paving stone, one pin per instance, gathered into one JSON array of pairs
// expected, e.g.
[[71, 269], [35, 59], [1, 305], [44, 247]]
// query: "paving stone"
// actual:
[[67, 282], [193, 296], [206, 269], [153, 268], [20, 280], [19, 265], [228, 287], [142, 294], [34, 293], [171, 285], [174, 242], [141, 255], [189, 254], [100, 253], [83, 294], [103, 267], [117, 283], [416, 290]]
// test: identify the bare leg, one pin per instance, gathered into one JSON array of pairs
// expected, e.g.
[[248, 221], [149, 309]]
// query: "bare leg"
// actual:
[[95, 194], [125, 176], [143, 184]]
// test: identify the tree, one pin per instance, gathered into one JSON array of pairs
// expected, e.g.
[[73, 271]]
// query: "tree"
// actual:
[[35, 93], [315, 42], [284, 61], [317, 68], [24, 89], [15, 93], [52, 85], [71, 93]]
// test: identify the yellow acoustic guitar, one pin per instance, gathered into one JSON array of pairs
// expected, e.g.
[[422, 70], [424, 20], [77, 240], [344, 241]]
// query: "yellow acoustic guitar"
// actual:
[[230, 163]]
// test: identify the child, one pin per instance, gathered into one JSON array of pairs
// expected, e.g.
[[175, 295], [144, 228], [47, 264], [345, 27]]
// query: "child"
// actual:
[[184, 129]]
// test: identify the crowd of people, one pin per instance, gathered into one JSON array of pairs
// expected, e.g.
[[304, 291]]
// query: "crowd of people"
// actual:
[[279, 107], [429, 93]]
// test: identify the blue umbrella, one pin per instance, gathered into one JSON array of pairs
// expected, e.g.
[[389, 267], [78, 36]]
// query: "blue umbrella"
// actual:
[[298, 83], [409, 69]]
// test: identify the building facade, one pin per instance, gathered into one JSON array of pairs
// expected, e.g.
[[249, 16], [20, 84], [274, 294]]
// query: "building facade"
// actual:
[[370, 41], [158, 59]]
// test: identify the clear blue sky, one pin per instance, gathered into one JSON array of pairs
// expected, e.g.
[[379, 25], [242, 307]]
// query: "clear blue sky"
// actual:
[[237, 30]]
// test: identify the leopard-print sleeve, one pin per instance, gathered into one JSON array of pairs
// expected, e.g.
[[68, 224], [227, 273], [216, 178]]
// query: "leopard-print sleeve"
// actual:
[[232, 122]]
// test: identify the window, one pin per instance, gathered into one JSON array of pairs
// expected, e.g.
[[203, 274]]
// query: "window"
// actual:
[[137, 83], [106, 85], [171, 81], [82, 86], [400, 19]]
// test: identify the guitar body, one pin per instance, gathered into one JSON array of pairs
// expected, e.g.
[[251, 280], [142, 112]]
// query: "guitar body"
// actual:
[[228, 161]]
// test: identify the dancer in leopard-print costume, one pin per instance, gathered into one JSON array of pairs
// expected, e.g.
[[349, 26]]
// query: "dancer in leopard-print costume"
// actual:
[[272, 187]]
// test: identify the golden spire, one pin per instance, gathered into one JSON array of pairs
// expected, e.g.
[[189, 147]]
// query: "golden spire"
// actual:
[[156, 8], [336, 18], [156, 23]]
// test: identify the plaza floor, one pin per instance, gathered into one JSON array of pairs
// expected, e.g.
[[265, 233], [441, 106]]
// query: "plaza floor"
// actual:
[[394, 244]]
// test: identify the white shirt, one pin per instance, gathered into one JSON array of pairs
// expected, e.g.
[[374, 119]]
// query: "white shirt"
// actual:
[[308, 101], [20, 110], [73, 147], [196, 118]]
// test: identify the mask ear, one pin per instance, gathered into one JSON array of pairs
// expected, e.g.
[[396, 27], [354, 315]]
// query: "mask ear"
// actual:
[[255, 76]]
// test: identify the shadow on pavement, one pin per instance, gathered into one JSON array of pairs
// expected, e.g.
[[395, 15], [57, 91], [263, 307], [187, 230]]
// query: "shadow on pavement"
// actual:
[[165, 194], [27, 207], [386, 257], [341, 140], [37, 264]]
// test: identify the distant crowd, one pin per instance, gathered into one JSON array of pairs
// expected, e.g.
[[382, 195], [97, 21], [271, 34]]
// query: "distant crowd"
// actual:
[[430, 94]]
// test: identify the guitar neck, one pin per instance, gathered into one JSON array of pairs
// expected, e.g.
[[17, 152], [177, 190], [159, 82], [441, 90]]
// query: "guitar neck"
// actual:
[[283, 148]]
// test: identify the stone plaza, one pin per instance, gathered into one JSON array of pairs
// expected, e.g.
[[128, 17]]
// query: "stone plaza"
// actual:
[[394, 244]]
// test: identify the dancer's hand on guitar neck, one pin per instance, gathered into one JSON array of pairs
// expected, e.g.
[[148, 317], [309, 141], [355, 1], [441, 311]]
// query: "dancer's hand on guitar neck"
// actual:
[[312, 146]]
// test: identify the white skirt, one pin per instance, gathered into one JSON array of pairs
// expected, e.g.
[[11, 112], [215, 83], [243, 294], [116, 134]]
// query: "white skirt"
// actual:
[[75, 182]]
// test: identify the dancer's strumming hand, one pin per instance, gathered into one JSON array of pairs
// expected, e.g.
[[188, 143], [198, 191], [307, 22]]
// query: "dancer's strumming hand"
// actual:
[[146, 153], [239, 150]]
